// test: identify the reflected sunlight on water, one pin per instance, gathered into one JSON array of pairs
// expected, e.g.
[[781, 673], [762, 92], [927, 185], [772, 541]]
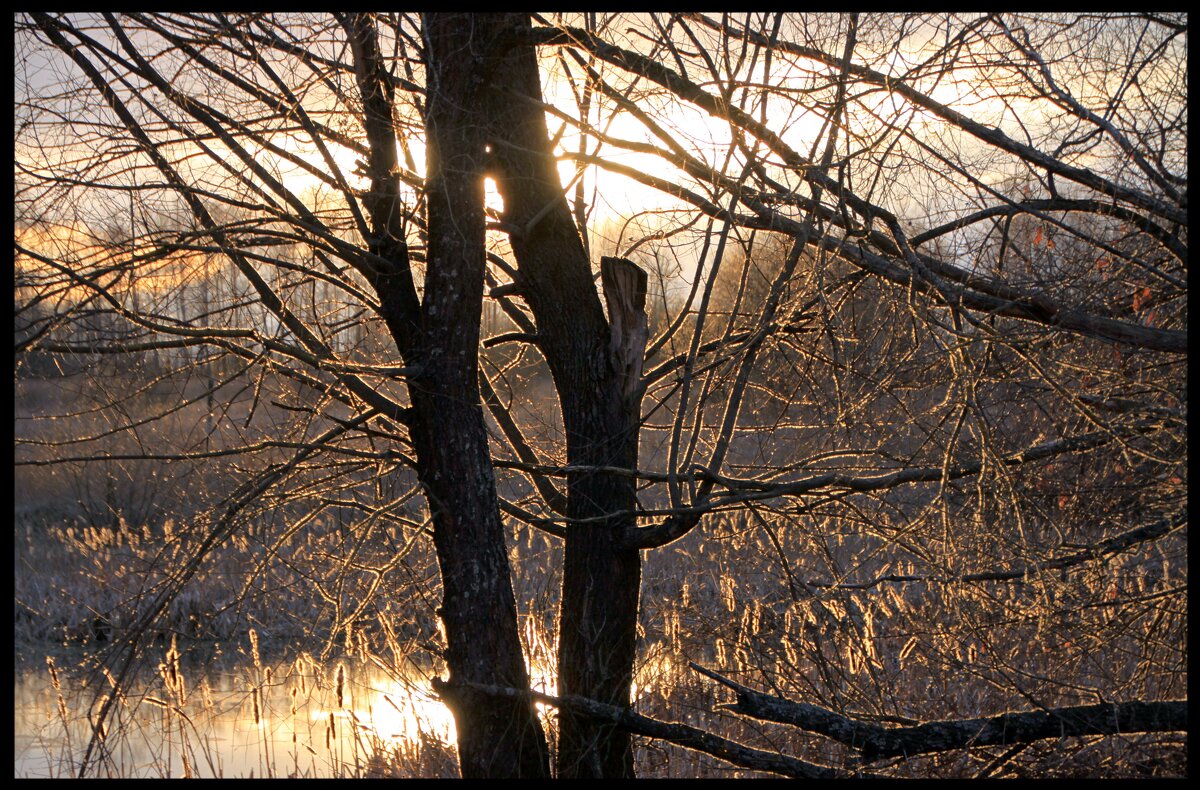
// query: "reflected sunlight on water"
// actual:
[[239, 717], [395, 711], [235, 720]]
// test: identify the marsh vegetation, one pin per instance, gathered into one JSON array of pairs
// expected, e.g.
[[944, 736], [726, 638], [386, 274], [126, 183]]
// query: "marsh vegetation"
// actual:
[[598, 395]]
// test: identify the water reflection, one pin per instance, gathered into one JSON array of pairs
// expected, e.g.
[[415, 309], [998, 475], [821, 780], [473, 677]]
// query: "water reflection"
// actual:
[[234, 717], [237, 715]]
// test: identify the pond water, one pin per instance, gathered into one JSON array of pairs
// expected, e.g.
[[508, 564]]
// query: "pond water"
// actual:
[[233, 711], [233, 716]]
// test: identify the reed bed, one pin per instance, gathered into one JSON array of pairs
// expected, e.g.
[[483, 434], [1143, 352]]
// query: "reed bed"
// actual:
[[248, 714], [314, 694]]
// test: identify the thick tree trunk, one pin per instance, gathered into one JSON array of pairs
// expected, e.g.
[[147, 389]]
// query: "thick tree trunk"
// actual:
[[448, 430], [478, 610], [601, 576], [440, 337]]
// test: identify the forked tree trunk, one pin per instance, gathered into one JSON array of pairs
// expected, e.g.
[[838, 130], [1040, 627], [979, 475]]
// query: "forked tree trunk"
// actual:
[[496, 738], [601, 575]]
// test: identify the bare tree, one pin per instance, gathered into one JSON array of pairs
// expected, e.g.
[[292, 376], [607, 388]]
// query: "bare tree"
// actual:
[[909, 414]]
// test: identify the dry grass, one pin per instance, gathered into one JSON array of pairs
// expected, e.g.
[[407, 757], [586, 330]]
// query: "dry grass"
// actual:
[[722, 599], [228, 714]]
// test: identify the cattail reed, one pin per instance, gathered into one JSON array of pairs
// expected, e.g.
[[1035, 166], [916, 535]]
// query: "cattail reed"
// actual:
[[54, 681], [254, 649], [172, 673], [341, 683], [101, 733], [57, 684], [299, 668], [206, 693]]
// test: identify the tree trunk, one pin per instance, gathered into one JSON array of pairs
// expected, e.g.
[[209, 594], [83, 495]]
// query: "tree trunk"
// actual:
[[446, 425], [601, 576]]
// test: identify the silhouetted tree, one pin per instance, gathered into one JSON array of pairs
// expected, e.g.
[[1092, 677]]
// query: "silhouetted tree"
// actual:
[[918, 387]]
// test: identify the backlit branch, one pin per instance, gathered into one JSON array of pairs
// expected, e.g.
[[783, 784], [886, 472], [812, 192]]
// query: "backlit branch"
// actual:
[[876, 742]]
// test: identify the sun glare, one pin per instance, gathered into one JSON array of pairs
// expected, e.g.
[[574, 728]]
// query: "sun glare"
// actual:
[[400, 713]]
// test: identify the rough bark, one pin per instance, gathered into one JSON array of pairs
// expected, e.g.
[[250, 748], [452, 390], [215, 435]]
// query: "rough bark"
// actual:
[[875, 742], [446, 423], [601, 574]]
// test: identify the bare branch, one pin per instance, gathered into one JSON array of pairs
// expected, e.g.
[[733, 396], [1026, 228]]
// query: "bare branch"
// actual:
[[673, 732], [876, 742]]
